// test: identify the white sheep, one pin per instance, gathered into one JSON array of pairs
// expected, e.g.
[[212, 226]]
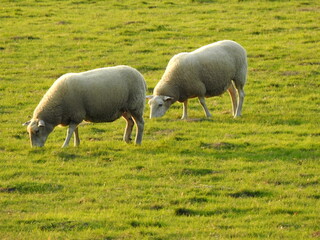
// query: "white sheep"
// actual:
[[99, 95], [206, 72]]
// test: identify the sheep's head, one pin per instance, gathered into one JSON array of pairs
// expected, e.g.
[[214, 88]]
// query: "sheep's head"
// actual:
[[38, 132], [159, 105]]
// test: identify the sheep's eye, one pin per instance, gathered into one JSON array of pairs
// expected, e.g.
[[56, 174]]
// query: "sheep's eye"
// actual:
[[160, 105], [36, 131]]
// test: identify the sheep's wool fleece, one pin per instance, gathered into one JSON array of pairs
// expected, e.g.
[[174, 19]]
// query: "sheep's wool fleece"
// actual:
[[99, 95], [207, 71]]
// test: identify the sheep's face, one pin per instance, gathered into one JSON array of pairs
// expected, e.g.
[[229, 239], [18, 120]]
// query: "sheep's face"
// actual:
[[159, 105], [38, 132]]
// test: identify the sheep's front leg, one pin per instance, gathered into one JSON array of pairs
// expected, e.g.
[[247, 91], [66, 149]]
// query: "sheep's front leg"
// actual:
[[185, 110], [129, 126], [71, 129], [204, 106]]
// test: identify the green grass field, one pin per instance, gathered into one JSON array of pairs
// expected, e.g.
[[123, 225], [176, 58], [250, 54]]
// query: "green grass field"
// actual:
[[255, 177]]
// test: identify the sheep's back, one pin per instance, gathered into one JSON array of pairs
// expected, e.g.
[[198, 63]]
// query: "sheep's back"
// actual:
[[209, 70], [102, 95]]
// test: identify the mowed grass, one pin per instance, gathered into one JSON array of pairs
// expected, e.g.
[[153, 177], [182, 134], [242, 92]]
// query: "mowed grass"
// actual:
[[255, 177]]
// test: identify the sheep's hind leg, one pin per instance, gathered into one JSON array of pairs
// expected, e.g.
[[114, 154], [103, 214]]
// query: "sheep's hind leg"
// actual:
[[138, 119], [129, 126], [204, 106], [241, 99], [76, 138], [71, 129], [233, 94], [239, 83], [185, 110]]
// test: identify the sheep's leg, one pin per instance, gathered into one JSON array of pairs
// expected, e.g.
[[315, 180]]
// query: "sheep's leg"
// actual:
[[140, 127], [239, 83], [185, 110], [71, 129], [204, 106], [129, 126], [76, 138], [241, 99], [233, 94]]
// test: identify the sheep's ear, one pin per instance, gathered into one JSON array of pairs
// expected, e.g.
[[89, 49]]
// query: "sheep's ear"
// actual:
[[26, 123], [167, 98], [41, 123], [149, 97]]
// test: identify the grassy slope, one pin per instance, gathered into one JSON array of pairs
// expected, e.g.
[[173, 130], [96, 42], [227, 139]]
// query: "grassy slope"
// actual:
[[253, 177]]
